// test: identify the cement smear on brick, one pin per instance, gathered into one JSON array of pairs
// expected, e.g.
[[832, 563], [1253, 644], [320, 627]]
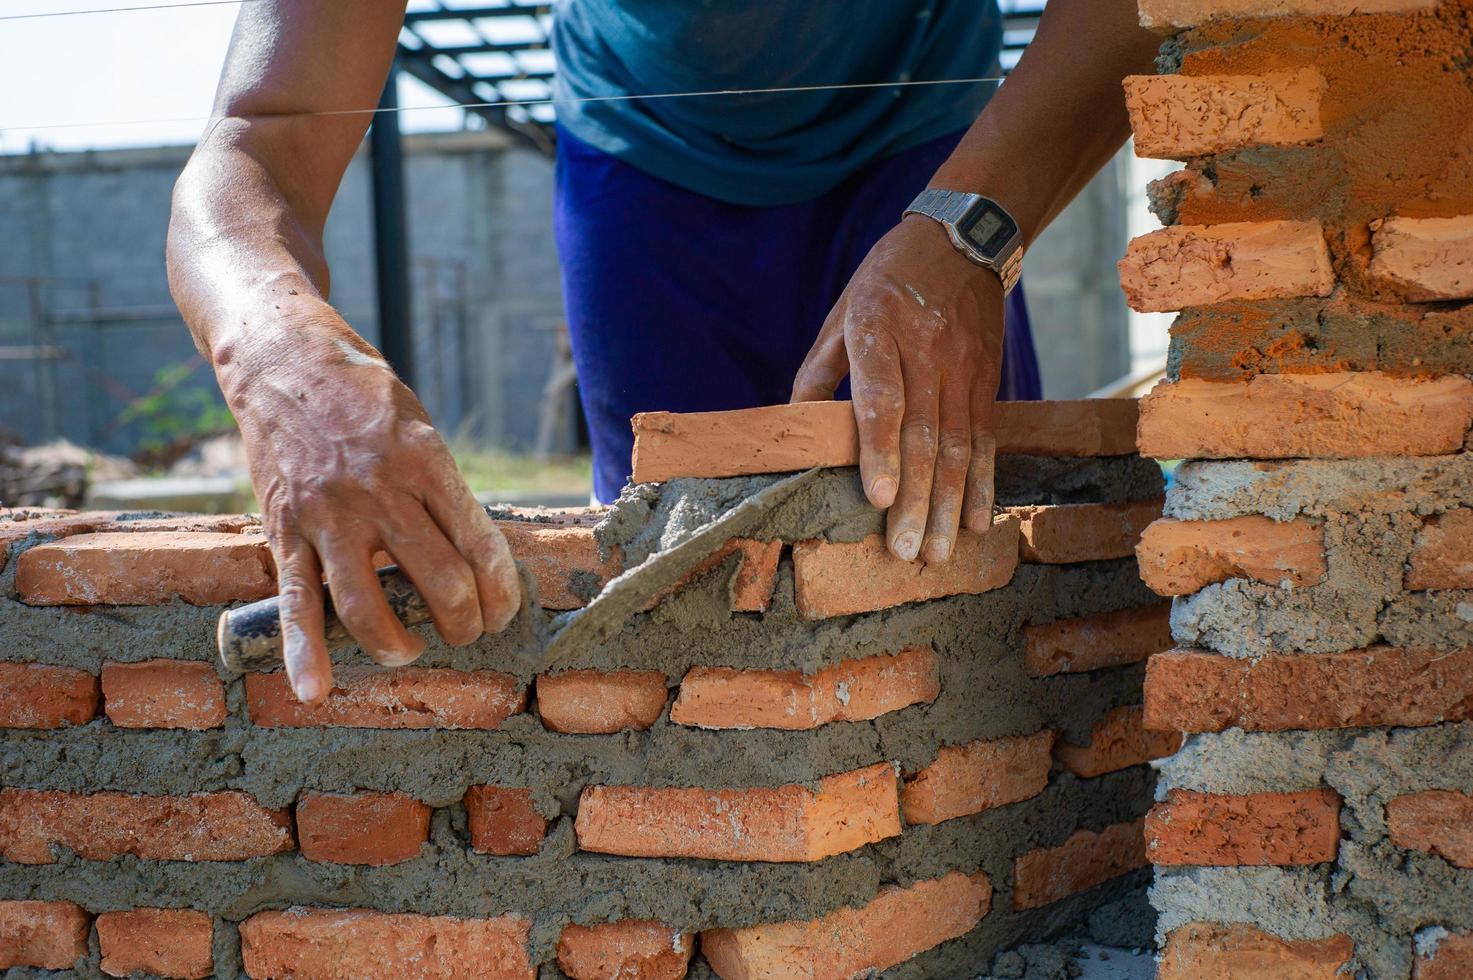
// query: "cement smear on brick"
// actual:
[[984, 694]]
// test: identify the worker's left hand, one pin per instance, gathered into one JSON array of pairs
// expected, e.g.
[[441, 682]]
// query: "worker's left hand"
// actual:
[[919, 330]]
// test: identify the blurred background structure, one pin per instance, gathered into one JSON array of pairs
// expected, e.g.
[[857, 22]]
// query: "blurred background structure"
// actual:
[[440, 243]]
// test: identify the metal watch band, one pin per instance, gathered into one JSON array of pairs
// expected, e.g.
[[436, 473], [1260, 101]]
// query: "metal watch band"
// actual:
[[949, 208]]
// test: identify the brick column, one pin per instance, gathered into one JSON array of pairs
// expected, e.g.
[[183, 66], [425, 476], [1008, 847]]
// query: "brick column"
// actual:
[[1318, 537]]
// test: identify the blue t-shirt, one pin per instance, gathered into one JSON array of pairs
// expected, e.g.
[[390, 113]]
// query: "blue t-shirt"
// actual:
[[770, 148]]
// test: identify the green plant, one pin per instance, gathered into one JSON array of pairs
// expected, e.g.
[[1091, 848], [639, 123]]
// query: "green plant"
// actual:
[[172, 412]]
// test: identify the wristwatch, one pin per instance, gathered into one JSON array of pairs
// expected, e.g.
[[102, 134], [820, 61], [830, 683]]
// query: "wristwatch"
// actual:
[[979, 228]]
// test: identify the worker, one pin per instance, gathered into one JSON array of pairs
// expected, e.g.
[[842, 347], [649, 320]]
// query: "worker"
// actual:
[[718, 251]]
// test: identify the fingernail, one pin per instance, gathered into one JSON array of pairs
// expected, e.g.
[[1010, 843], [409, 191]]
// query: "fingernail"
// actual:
[[309, 689], [907, 543], [939, 549], [882, 491]]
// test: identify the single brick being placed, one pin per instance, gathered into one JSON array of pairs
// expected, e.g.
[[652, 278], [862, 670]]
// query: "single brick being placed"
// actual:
[[1197, 691], [1163, 14], [1119, 740], [1175, 117], [48, 935], [1197, 265], [634, 949], [842, 578], [783, 438], [782, 823], [1256, 829], [1437, 821], [1088, 858], [854, 942], [1282, 416], [503, 820], [43, 696], [1066, 533], [405, 697], [967, 779], [163, 694], [223, 826], [361, 828], [1209, 951], [595, 702], [1425, 259], [1112, 639], [1182, 557], [158, 942], [852, 690], [145, 568], [1447, 957], [367, 945], [1442, 557]]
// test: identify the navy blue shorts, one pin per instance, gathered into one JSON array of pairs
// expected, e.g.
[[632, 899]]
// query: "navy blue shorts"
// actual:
[[679, 302]]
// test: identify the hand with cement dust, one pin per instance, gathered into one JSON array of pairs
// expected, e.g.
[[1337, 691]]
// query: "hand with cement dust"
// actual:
[[346, 463], [919, 332]]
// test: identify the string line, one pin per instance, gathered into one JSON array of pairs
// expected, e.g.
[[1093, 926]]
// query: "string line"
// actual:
[[124, 10]]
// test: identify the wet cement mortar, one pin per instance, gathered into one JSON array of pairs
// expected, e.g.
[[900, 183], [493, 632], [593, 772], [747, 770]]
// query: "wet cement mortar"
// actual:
[[984, 694]]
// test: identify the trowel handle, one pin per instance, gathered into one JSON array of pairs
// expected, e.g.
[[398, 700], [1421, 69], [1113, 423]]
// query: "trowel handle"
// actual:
[[250, 636]]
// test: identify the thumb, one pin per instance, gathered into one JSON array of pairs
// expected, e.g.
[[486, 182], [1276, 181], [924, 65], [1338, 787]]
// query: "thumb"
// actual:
[[825, 366]]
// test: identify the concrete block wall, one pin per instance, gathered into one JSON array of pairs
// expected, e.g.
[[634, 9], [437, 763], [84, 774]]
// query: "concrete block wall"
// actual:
[[1319, 245], [808, 759]]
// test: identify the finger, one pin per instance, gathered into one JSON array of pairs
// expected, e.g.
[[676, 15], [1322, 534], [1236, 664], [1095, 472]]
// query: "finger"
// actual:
[[825, 366], [982, 470], [442, 576], [359, 601], [948, 487], [918, 440], [476, 537], [299, 582], [879, 401]]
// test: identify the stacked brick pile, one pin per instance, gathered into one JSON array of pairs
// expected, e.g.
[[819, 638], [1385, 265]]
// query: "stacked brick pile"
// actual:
[[1319, 540], [811, 760]]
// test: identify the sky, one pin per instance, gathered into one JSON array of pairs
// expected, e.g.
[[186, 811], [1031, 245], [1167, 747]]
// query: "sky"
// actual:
[[130, 77]]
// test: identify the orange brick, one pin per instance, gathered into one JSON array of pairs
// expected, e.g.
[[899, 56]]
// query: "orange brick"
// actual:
[[328, 944], [1118, 741], [834, 579], [159, 942], [781, 438], [756, 574], [595, 702], [224, 826], [1437, 821], [557, 557], [1181, 557], [1197, 265], [145, 568], [1112, 639], [854, 690], [784, 823], [1257, 829], [630, 950], [967, 779], [1443, 555], [49, 935], [43, 696], [163, 694], [1208, 951], [503, 820], [1425, 259], [897, 925], [1163, 14], [406, 697], [1176, 117], [1450, 958], [1088, 858], [1067, 533], [361, 828], [1196, 691], [1284, 416]]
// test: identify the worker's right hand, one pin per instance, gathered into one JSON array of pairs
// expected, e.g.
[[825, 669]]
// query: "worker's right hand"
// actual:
[[345, 463]]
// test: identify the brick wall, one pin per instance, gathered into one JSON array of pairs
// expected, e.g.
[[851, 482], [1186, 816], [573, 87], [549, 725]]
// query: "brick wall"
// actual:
[[1319, 245], [808, 757]]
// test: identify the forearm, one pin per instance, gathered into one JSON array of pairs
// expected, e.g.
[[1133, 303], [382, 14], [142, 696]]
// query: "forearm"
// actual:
[[1060, 116]]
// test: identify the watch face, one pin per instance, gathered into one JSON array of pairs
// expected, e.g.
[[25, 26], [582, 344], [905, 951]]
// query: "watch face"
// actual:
[[988, 230]]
